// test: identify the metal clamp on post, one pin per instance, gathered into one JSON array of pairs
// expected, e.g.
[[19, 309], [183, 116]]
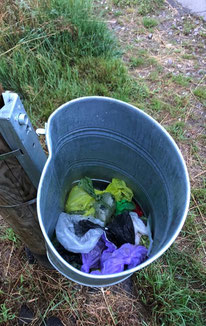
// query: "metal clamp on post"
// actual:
[[27, 203], [18, 132], [5, 156]]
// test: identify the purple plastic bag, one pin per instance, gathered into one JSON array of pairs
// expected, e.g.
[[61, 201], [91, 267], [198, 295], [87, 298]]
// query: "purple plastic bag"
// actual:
[[92, 259], [110, 260]]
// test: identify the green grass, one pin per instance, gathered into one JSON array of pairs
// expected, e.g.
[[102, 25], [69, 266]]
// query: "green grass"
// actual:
[[142, 61], [48, 49], [142, 58], [188, 56], [10, 235], [200, 92], [188, 27], [144, 6], [5, 314], [181, 80], [172, 292], [149, 22], [177, 130]]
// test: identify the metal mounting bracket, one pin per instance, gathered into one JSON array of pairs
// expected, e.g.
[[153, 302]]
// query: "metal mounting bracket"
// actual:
[[17, 130]]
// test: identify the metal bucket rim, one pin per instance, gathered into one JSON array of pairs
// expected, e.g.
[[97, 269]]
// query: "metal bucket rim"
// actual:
[[49, 144]]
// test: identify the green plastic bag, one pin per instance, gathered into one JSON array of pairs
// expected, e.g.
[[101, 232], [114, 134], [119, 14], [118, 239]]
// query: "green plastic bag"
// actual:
[[80, 202], [119, 190], [85, 200], [124, 205]]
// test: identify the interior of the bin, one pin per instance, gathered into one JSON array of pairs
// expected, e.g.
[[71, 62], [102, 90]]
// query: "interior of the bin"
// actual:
[[134, 149]]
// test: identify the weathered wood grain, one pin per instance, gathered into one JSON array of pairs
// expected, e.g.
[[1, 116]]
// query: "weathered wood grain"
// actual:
[[16, 187]]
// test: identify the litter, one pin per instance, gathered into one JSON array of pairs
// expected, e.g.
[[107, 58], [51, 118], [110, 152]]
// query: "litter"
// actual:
[[101, 231], [106, 259], [121, 230], [138, 210], [139, 227], [124, 205], [119, 190], [105, 207], [67, 233], [126, 228], [85, 200], [79, 202]]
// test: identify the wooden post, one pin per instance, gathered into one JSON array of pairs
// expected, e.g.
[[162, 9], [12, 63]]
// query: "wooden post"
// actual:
[[16, 188]]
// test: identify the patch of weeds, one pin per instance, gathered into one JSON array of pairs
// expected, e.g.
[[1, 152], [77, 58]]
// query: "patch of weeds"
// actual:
[[125, 3], [202, 34], [147, 6], [194, 232], [177, 103], [188, 56], [144, 6], [181, 80], [200, 92], [154, 76], [118, 13], [157, 105], [200, 197], [5, 314], [149, 22], [177, 51], [177, 130], [174, 289], [188, 27], [10, 235], [137, 61], [142, 58]]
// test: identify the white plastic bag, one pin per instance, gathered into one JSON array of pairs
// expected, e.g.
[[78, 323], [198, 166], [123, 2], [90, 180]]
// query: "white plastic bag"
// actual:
[[139, 227], [65, 233]]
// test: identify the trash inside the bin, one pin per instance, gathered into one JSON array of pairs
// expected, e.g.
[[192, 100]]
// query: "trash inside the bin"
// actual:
[[75, 259], [67, 233], [104, 227], [126, 228], [85, 200], [105, 258], [124, 206]]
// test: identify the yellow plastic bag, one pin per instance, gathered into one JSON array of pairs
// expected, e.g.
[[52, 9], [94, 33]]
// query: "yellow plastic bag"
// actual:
[[80, 202], [119, 190]]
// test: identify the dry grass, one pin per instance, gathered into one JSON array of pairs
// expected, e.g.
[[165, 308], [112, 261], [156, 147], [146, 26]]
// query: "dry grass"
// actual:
[[48, 293]]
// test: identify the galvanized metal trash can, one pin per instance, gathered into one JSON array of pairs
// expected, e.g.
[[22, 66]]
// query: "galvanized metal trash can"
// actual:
[[103, 138]]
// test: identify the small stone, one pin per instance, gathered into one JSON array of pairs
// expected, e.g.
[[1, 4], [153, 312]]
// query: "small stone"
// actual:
[[26, 315], [52, 321], [170, 33], [150, 36], [169, 61]]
